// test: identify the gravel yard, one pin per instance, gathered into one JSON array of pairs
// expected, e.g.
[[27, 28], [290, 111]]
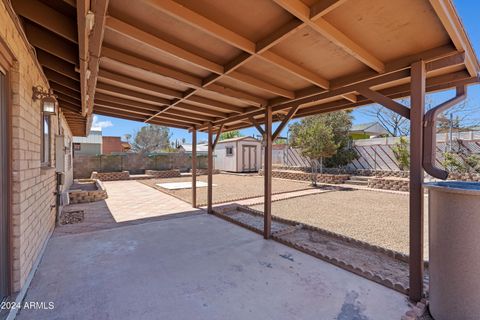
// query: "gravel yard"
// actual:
[[228, 187], [378, 218]]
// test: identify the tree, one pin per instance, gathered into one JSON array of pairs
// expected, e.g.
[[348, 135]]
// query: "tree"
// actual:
[[340, 124], [402, 153], [152, 138], [460, 116], [230, 135]]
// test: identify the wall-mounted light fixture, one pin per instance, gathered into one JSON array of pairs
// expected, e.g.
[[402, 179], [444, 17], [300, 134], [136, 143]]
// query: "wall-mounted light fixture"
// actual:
[[48, 99]]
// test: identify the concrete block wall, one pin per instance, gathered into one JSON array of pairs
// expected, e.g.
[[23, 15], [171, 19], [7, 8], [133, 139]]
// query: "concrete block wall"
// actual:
[[82, 196], [110, 176], [389, 183], [33, 186], [135, 163], [163, 173]]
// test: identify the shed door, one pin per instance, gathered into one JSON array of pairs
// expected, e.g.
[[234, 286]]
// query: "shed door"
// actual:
[[3, 190], [249, 158]]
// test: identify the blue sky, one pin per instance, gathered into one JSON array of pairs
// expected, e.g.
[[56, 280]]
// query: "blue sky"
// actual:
[[468, 11]]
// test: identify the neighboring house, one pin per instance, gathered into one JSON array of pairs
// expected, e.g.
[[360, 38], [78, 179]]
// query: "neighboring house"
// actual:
[[242, 154], [90, 145], [111, 145], [367, 131], [202, 149]]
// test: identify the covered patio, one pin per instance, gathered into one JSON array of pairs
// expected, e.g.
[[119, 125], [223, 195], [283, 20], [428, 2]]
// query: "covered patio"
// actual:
[[216, 66], [197, 267]]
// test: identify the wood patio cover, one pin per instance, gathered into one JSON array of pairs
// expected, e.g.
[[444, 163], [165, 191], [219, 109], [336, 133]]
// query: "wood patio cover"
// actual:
[[214, 65]]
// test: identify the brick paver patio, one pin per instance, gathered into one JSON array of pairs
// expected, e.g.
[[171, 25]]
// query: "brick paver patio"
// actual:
[[132, 200]]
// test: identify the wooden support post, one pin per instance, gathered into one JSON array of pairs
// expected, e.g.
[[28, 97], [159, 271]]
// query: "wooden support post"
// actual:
[[210, 169], [194, 167], [417, 108], [267, 220]]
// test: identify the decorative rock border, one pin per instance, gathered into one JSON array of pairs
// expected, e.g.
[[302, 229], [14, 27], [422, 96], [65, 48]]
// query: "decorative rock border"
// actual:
[[163, 173], [292, 227], [304, 176], [389, 183], [83, 196]]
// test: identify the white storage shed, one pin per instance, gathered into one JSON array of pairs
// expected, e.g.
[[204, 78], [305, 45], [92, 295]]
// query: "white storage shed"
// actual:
[[242, 154]]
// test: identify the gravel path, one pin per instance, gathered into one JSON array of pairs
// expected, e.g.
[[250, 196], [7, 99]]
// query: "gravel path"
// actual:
[[378, 218], [228, 187]]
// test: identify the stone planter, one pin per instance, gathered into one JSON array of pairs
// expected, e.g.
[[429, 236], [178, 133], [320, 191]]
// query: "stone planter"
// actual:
[[454, 236]]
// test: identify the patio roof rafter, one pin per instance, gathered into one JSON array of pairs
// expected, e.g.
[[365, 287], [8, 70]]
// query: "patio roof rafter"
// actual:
[[95, 41], [438, 64], [317, 23]]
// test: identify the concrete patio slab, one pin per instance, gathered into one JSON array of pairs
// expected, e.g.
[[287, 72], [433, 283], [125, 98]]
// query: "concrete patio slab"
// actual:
[[197, 267]]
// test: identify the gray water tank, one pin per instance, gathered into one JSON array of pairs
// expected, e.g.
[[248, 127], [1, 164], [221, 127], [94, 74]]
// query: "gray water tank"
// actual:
[[454, 240]]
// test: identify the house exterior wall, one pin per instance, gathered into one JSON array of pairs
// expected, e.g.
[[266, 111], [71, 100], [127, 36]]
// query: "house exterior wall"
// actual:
[[90, 149], [112, 145], [32, 197]]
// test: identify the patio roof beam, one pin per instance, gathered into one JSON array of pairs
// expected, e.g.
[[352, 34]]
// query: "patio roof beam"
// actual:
[[61, 79], [82, 8], [110, 89], [159, 44], [179, 77], [47, 17], [385, 101], [64, 90], [68, 105], [322, 7], [116, 106], [67, 98], [284, 122], [54, 63], [108, 76], [190, 115], [200, 22], [434, 84], [201, 110], [303, 12], [217, 137], [257, 125], [95, 41], [51, 43], [445, 62], [217, 104]]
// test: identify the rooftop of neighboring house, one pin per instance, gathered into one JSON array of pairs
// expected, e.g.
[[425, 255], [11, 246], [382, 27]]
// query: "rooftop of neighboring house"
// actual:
[[95, 137], [370, 128]]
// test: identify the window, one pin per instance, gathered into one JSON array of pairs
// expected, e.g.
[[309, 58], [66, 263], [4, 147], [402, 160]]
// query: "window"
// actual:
[[77, 147], [46, 135], [229, 151]]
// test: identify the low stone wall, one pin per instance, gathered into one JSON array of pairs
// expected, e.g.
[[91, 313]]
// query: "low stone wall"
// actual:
[[358, 172], [471, 177], [163, 173], [389, 183], [203, 172], [110, 176], [82, 196], [305, 176]]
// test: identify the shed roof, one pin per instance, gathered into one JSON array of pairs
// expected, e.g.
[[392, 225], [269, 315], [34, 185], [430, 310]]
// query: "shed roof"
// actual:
[[239, 139], [187, 63]]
